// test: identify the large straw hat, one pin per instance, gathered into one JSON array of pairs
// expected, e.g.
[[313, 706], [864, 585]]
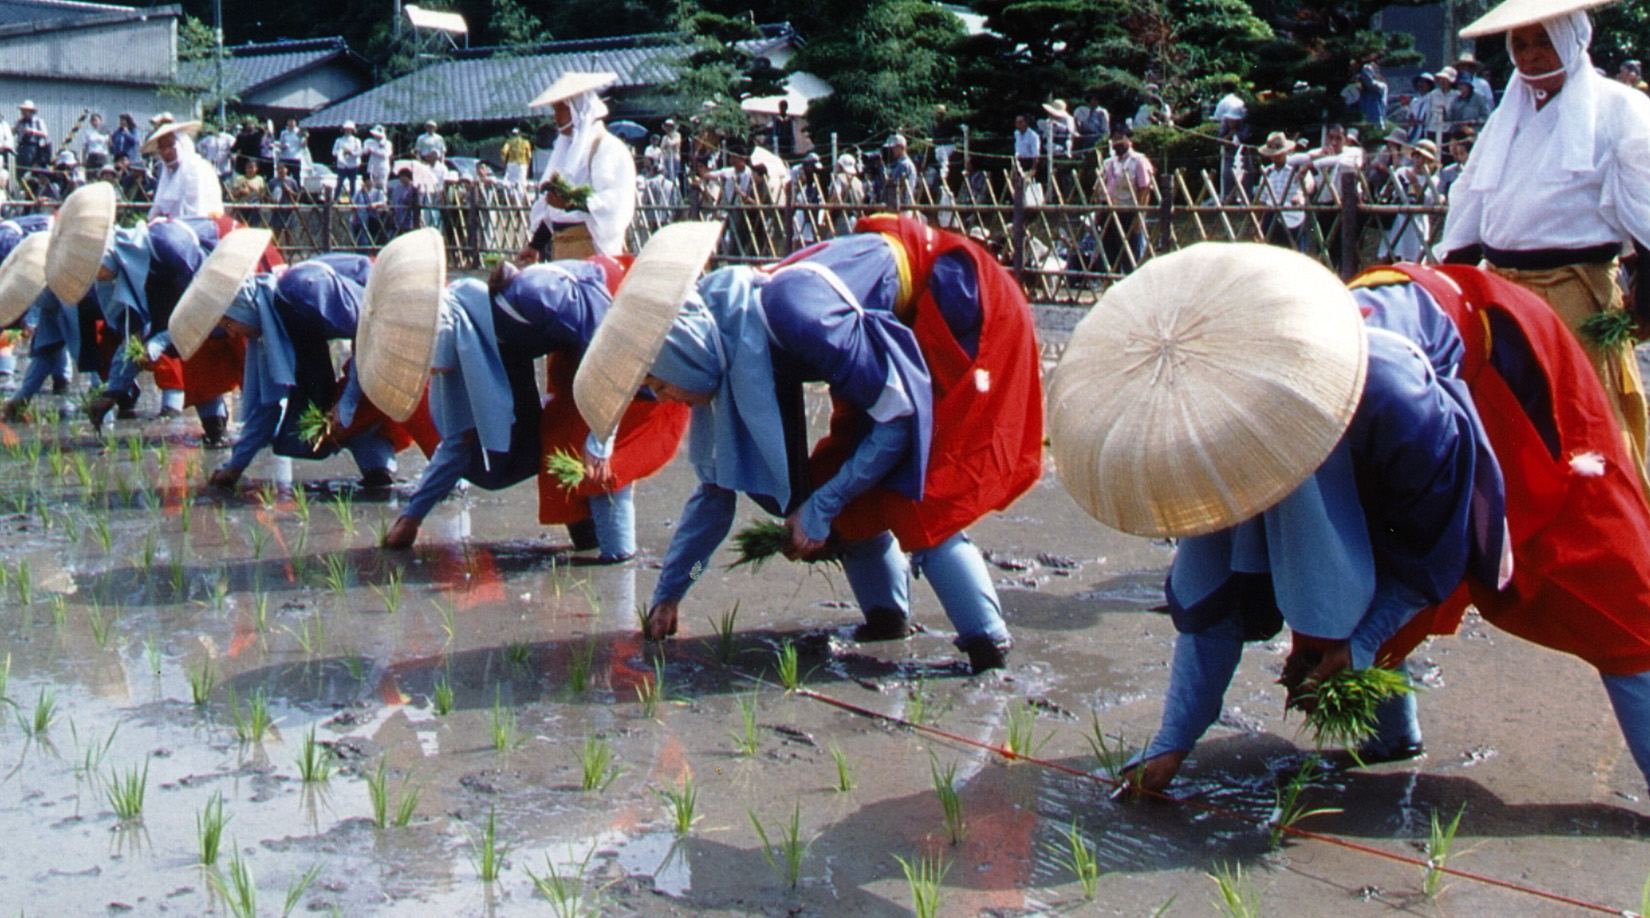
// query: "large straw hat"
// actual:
[[1514, 13], [1205, 387], [22, 276], [80, 235], [150, 144], [220, 277], [570, 84], [400, 314], [630, 337]]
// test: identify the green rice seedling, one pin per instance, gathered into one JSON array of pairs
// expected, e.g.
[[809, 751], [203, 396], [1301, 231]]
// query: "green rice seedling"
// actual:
[[312, 636], [99, 625], [357, 668], [501, 726], [134, 350], [380, 527], [1439, 841], [596, 768], [82, 469], [1608, 330], [916, 702], [201, 680], [254, 725], [1341, 708], [123, 489], [518, 654], [924, 878], [1079, 857], [150, 547], [486, 851], [390, 592], [844, 770], [5, 576], [260, 541], [296, 887], [134, 449], [1110, 753], [785, 856], [59, 605], [209, 825], [186, 513], [267, 495], [727, 637], [1022, 740], [444, 608], [744, 740], [340, 573], [945, 787], [578, 196], [1287, 809], [566, 468], [71, 527], [260, 612], [651, 692], [1644, 899], [93, 753], [5, 676], [1235, 895], [125, 791], [788, 665], [442, 701], [221, 517], [343, 510], [579, 665], [680, 805], [408, 806], [151, 652], [218, 594], [378, 794], [45, 713], [175, 576], [301, 503], [566, 891], [240, 890], [25, 582], [313, 425], [58, 462], [761, 540], [314, 761]]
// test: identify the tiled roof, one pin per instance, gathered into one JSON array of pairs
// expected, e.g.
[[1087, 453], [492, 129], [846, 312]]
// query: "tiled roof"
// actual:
[[248, 67], [21, 12], [490, 85]]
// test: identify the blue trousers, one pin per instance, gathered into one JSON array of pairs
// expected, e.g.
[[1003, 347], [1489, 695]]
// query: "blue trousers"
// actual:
[[881, 578], [1630, 696]]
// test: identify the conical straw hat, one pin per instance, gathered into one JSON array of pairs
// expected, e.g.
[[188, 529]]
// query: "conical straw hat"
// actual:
[[1205, 387], [22, 277], [400, 314], [1514, 13], [80, 235], [220, 277], [570, 84], [630, 337], [152, 143]]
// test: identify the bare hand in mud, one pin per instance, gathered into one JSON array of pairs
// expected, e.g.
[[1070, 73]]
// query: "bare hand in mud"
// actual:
[[661, 621], [402, 534], [800, 547], [1308, 666], [598, 473], [1152, 776], [224, 478]]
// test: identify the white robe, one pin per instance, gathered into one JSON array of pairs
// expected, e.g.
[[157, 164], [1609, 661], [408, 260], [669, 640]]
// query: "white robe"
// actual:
[[191, 189], [596, 158]]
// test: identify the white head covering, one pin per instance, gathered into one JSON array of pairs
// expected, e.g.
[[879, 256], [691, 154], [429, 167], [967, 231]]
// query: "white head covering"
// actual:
[[1578, 105]]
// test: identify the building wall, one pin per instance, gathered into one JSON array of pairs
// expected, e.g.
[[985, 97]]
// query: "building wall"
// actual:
[[61, 102], [135, 51], [309, 90]]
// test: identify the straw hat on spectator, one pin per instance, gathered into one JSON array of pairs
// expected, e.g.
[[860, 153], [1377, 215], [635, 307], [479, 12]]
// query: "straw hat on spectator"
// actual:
[[400, 315], [1278, 142], [1514, 13], [572, 83], [80, 235], [630, 337], [151, 144], [848, 164], [1057, 108], [220, 277], [23, 276], [1205, 387]]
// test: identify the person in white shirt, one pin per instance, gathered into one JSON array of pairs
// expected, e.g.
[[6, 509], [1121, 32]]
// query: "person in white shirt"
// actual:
[[94, 149], [1285, 181], [1331, 164], [1415, 182], [1558, 184], [376, 153], [1439, 102], [289, 147], [187, 185], [584, 155], [346, 161], [1126, 179], [1027, 145], [429, 142]]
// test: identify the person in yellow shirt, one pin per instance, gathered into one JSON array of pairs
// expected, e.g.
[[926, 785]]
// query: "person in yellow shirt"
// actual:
[[517, 154]]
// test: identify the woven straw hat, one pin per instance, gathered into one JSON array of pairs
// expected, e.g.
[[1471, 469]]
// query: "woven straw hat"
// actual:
[[400, 314], [570, 84], [80, 235], [1205, 387], [220, 277], [630, 337], [150, 144], [1514, 13], [22, 277]]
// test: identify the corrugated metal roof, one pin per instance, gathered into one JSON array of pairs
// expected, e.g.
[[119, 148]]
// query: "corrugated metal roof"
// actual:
[[248, 67], [498, 87], [13, 12]]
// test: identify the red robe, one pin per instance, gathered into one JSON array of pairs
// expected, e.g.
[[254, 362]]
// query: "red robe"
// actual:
[[215, 369], [1580, 527], [987, 446]]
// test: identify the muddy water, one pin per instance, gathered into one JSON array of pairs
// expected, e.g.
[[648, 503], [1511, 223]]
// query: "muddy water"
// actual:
[[136, 578]]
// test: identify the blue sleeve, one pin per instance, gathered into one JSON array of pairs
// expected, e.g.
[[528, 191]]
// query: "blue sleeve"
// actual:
[[956, 292], [350, 398], [873, 459], [704, 523], [257, 430], [1391, 609], [445, 469]]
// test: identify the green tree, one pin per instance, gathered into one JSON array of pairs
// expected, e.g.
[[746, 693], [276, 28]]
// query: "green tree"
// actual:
[[512, 24], [1621, 31]]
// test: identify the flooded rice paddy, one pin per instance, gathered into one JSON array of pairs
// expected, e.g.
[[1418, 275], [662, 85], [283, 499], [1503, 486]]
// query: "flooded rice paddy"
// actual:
[[474, 728]]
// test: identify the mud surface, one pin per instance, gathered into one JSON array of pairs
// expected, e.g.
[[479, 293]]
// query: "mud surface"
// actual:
[[124, 576]]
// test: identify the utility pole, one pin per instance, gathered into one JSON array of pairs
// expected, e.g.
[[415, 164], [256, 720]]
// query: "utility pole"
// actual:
[[217, 56]]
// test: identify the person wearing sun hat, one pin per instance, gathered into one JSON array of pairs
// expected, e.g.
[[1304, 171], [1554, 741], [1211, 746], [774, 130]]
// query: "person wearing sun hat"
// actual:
[[25, 300], [927, 347], [1558, 187], [286, 319], [584, 155], [187, 185], [1229, 395], [1285, 179]]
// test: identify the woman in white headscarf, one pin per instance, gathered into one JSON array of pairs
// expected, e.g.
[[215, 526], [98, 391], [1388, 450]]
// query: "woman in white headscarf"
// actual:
[[1558, 184], [585, 155]]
